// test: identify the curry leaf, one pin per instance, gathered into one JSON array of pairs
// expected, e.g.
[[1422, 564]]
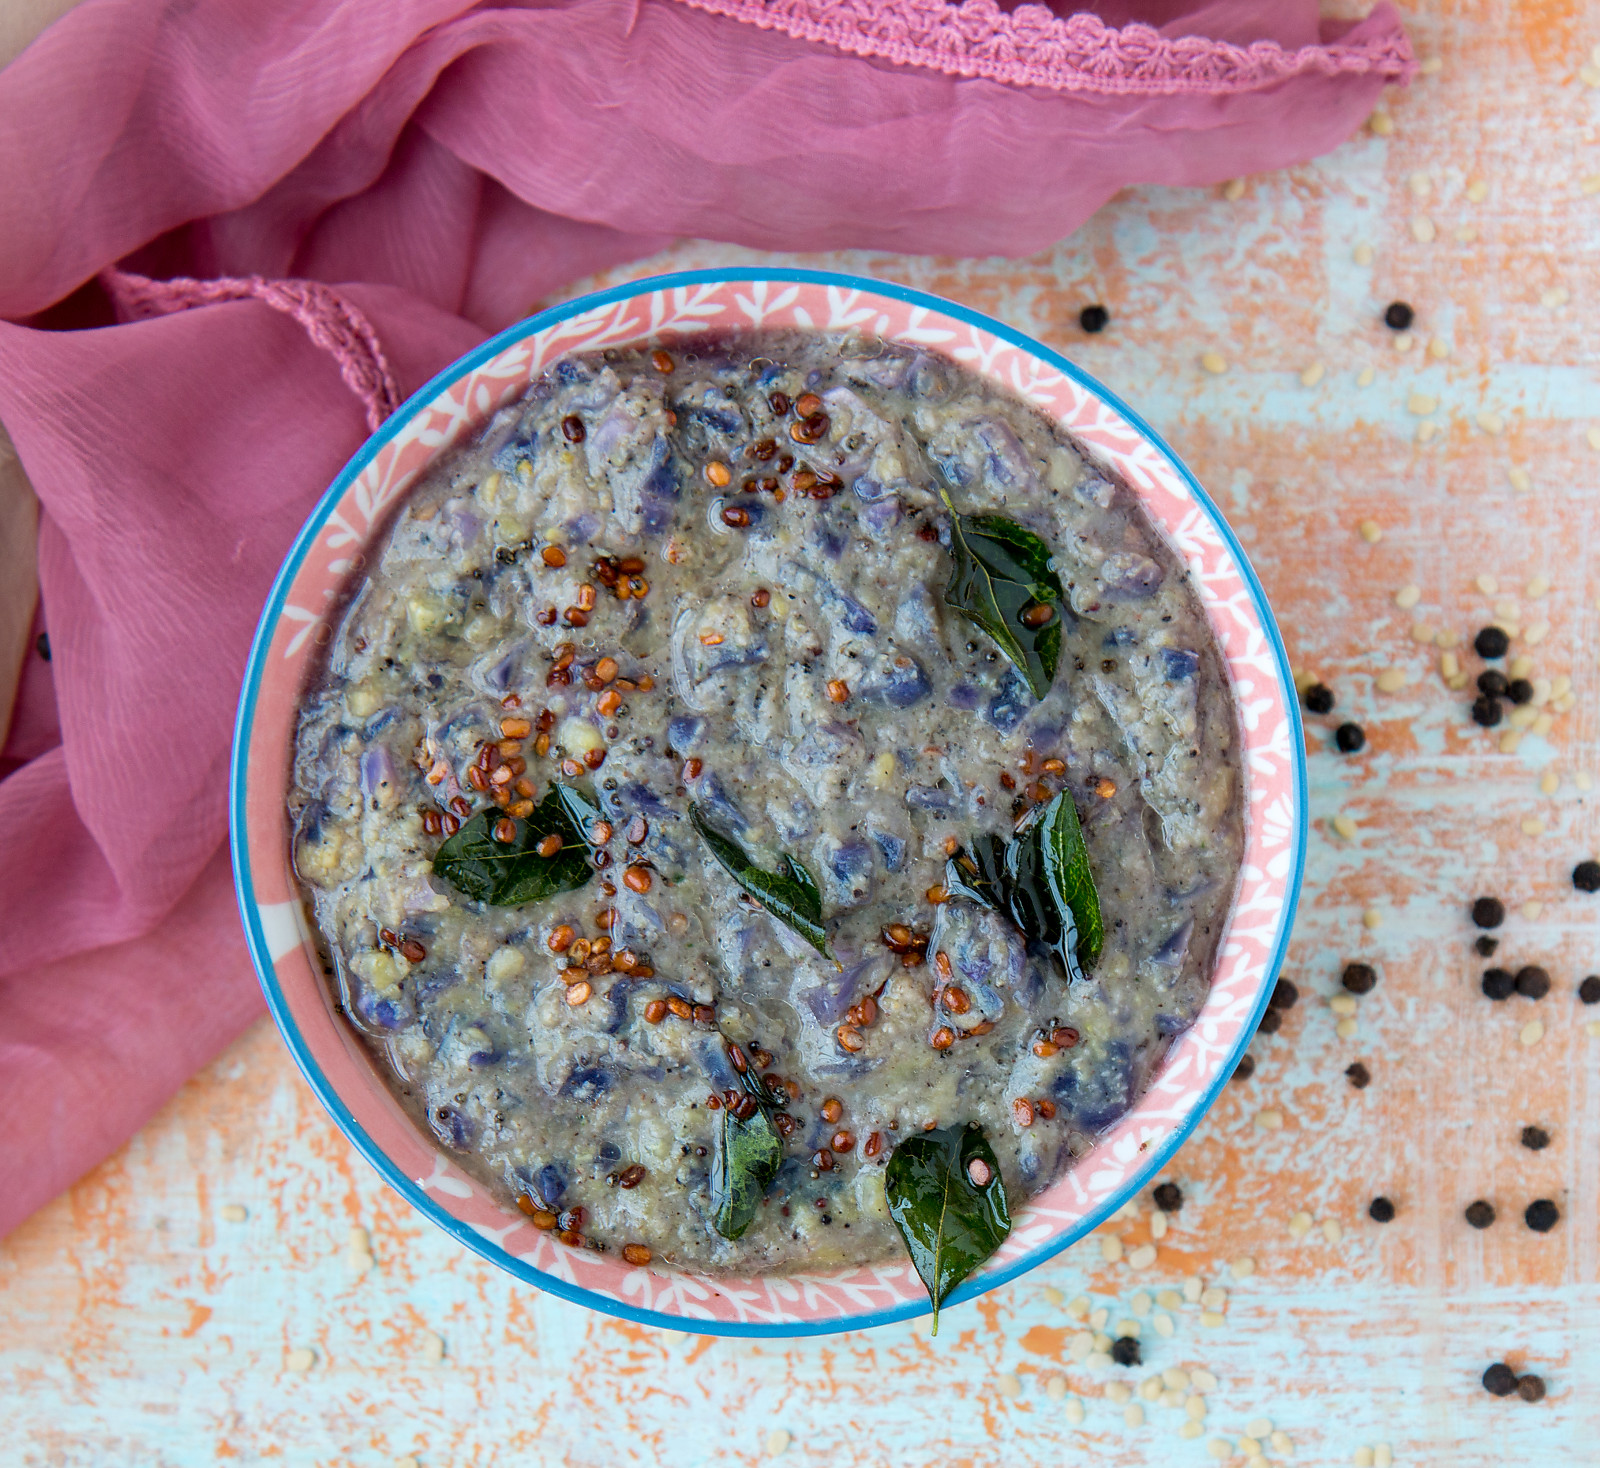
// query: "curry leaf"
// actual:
[[509, 873], [1041, 880], [790, 894], [746, 1162], [1001, 580], [946, 1197]]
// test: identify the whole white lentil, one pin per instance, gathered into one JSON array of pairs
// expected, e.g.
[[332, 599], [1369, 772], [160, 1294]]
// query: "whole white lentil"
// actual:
[[1193, 1288], [1281, 1442], [1168, 1299], [1477, 190], [1214, 362], [777, 1442], [234, 1213], [1312, 375], [1438, 349], [1560, 685], [1249, 1447], [1243, 1268], [431, 1346], [1381, 123], [1008, 1384], [1549, 782], [1172, 1398], [1102, 1342], [1080, 1346], [1543, 724], [1128, 1329], [1390, 680], [1111, 1248], [1194, 1408], [1140, 1305], [1402, 341], [1520, 479], [1233, 190], [1097, 1321], [1220, 1449], [1408, 596], [1346, 1029], [1422, 632], [1531, 1033], [1362, 254], [1331, 1230], [1494, 425], [1382, 1457], [1150, 1388], [1300, 1225], [302, 1359], [1079, 1308], [1449, 665], [1362, 1458], [1158, 1224], [1509, 741], [1215, 1298], [1342, 1003], [1532, 826], [1537, 586], [1055, 1387], [1211, 1319], [1486, 583], [1520, 666], [1133, 1414], [1163, 1323], [1259, 1427], [1190, 1430], [1053, 1296], [1421, 404], [1203, 1380], [1142, 1257], [1365, 377], [1073, 1411], [1532, 908], [1371, 531], [1423, 230], [1270, 1120], [1371, 918], [1420, 184], [1119, 1392], [1176, 1378]]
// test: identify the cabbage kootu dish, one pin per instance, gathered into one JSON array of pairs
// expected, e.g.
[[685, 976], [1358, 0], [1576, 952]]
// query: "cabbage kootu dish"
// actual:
[[769, 804]]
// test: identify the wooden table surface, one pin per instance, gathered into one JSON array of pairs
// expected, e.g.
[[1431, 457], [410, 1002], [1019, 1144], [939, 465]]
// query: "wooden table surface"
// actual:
[[154, 1314]]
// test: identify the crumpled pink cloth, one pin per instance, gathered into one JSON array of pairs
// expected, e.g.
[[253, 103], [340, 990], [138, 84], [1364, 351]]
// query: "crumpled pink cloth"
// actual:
[[443, 166]]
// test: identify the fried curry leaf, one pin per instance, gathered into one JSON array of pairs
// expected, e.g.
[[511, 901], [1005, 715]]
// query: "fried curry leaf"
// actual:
[[790, 894], [1001, 580], [748, 1156], [1040, 879], [946, 1198], [509, 873]]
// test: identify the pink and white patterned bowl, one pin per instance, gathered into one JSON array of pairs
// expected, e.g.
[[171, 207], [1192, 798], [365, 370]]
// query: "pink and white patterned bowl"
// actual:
[[451, 408]]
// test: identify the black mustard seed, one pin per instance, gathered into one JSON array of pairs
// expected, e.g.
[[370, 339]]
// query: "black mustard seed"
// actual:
[[1094, 319], [1492, 683], [1398, 316], [1519, 690], [1541, 1215], [1284, 995], [1381, 1210], [1589, 989], [1319, 698], [1486, 711], [1488, 912], [1350, 738], [1168, 1197], [1491, 642], [1480, 1214], [1498, 983], [1499, 1380], [1125, 1351], [1586, 876]]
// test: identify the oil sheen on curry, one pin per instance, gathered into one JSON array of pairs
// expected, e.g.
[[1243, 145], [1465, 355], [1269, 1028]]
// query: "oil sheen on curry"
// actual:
[[743, 763]]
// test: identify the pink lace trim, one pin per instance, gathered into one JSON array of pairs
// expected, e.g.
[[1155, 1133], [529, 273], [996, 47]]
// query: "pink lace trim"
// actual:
[[331, 322], [1033, 47]]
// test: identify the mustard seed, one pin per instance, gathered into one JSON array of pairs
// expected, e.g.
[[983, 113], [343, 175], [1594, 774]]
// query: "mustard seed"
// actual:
[[1319, 698], [1541, 1215], [1586, 876], [1498, 984], [1380, 1210], [1499, 1380], [1480, 1214], [1488, 912], [1491, 642], [1350, 738], [1094, 319]]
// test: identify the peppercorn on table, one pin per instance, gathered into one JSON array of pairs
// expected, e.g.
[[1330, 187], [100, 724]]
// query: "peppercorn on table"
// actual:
[[1383, 1244]]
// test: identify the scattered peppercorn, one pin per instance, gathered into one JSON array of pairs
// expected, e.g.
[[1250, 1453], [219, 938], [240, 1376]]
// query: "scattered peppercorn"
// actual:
[[1245, 1068], [1491, 642], [1499, 1380], [1319, 698], [1381, 1210], [1589, 989], [1530, 1388], [1284, 995], [1492, 683], [1488, 912], [1350, 738], [1359, 978], [1535, 1138], [1486, 711], [1498, 983], [1480, 1214], [1541, 1215], [1094, 319], [1586, 876], [1519, 690], [1398, 316], [1486, 946], [1359, 1076], [1168, 1197], [1532, 982], [1271, 1020], [1125, 1350]]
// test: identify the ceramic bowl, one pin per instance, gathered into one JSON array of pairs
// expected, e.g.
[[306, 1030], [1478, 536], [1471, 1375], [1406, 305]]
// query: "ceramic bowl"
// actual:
[[350, 518]]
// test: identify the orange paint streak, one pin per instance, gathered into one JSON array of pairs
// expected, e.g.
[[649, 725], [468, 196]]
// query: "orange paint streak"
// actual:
[[1045, 1340], [198, 1315]]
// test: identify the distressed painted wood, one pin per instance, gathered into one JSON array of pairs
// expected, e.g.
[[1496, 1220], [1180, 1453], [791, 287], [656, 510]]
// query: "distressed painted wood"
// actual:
[[144, 1325]]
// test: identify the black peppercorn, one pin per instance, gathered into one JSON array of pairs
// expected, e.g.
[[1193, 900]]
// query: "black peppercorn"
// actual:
[[1532, 981], [1381, 1210], [1492, 684], [1535, 1138], [1125, 1350], [1271, 1020], [1319, 698], [1519, 690], [1359, 1076], [1488, 912], [1530, 1388], [1350, 738], [1485, 945], [1586, 876], [1589, 989], [1491, 642], [1500, 1380], [1486, 711], [1245, 1068], [1541, 1215], [1498, 983], [1168, 1197], [1094, 318], [1359, 978], [1284, 995], [1480, 1214], [1398, 316]]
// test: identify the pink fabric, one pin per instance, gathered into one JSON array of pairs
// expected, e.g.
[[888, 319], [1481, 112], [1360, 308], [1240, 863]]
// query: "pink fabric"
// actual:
[[328, 201]]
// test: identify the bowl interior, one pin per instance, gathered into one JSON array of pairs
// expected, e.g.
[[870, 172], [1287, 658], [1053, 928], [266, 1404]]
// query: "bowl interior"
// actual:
[[451, 408]]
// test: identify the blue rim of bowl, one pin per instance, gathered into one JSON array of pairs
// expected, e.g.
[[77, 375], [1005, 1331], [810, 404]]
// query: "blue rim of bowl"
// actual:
[[260, 955]]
